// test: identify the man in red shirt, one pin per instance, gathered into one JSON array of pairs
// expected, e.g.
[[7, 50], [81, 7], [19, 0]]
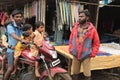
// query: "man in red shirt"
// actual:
[[84, 43]]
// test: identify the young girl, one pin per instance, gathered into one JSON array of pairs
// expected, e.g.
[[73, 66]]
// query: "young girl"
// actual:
[[39, 37]]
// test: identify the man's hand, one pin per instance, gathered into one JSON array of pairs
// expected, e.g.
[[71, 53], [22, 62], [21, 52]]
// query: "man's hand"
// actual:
[[92, 55]]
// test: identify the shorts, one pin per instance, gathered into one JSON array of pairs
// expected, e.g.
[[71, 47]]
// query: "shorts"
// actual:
[[34, 50], [10, 58], [17, 53]]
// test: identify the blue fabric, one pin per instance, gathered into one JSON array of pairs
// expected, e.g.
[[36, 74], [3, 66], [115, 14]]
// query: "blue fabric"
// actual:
[[74, 52], [88, 46], [74, 49], [11, 41], [85, 53], [106, 1], [104, 54]]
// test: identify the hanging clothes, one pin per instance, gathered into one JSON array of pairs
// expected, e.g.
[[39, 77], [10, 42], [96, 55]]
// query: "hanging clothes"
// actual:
[[1, 15], [37, 9], [76, 8], [4, 18]]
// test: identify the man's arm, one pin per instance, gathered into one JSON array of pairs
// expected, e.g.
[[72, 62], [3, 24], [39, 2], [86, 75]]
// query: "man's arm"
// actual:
[[11, 31], [95, 44], [16, 37]]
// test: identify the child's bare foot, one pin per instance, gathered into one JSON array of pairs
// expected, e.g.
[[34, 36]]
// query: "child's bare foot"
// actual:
[[1, 71], [37, 74], [13, 72]]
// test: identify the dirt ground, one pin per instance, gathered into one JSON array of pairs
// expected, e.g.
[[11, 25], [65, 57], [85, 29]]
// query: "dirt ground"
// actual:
[[109, 74]]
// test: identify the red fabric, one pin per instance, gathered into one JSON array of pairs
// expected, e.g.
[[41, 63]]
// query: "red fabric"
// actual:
[[92, 34], [4, 18]]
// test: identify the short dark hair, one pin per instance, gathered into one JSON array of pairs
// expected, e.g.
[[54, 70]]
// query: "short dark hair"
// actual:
[[39, 23], [26, 27], [14, 12], [86, 12]]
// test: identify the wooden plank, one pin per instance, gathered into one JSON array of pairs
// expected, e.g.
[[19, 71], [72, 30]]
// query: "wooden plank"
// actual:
[[105, 62], [115, 35], [62, 50]]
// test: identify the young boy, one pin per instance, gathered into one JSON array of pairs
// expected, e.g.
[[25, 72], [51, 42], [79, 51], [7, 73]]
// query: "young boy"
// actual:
[[39, 37], [19, 47]]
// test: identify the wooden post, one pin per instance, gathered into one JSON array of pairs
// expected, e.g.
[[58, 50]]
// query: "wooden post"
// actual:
[[97, 16], [69, 65], [44, 10]]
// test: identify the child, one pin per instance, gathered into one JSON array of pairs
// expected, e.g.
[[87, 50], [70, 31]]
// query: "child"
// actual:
[[3, 62], [4, 39], [39, 37], [4, 42], [19, 47]]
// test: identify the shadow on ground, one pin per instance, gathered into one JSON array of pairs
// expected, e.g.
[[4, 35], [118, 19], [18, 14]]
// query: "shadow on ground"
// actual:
[[109, 74]]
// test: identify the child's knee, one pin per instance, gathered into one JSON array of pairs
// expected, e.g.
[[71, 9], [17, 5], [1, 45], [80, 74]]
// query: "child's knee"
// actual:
[[4, 56], [16, 58]]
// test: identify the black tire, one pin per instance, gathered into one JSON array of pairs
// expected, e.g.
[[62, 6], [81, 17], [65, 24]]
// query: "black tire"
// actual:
[[62, 76], [59, 76], [28, 76], [45, 78]]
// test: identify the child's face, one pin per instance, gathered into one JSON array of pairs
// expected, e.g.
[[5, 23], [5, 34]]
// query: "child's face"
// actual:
[[30, 31], [41, 28]]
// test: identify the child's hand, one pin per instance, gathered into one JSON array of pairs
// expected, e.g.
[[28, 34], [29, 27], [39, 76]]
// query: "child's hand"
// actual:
[[44, 36], [24, 42]]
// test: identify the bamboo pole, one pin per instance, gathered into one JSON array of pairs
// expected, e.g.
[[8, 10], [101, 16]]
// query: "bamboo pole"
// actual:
[[44, 10], [96, 4], [97, 16]]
